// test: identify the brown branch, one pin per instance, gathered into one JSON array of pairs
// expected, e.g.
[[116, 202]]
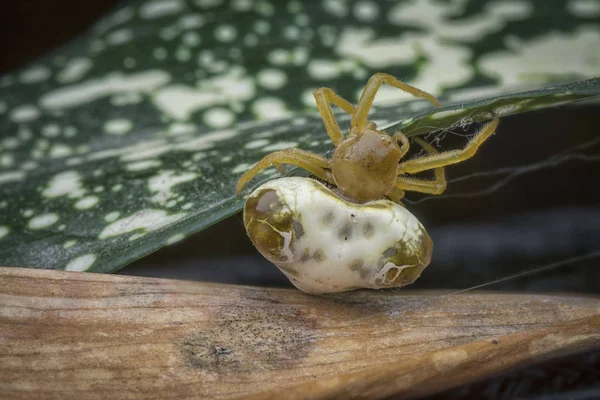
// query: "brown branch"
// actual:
[[91, 336]]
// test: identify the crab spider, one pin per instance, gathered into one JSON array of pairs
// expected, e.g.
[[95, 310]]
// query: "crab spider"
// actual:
[[367, 164]]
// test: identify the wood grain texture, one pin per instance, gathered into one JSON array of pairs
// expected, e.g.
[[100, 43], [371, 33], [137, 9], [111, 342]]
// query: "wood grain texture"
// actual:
[[89, 336]]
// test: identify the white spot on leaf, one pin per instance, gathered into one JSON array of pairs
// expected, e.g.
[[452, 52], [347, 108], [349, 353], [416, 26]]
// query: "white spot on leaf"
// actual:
[[81, 263], [35, 74], [25, 113], [11, 176], [87, 202], [148, 220], [111, 216], [160, 8], [66, 183], [142, 165], [42, 221], [162, 184], [69, 244], [94, 89], [218, 117], [119, 126], [584, 8], [271, 78], [269, 108]]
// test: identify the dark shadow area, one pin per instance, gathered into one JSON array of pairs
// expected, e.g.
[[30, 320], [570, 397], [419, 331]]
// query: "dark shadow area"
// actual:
[[575, 377], [30, 28]]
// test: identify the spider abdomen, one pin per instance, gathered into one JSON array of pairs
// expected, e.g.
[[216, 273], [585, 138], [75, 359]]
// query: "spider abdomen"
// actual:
[[365, 166], [325, 244]]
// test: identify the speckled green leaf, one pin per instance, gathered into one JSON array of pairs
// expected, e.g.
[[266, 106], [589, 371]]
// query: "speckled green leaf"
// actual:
[[132, 136]]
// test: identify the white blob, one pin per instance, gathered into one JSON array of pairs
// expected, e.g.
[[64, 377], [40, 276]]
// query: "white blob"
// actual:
[[243, 167], [117, 18], [180, 101], [6, 160], [87, 202], [179, 128], [446, 65], [81, 263], [11, 176], [148, 220], [191, 39], [175, 238], [435, 17], [111, 216], [162, 184], [66, 183], [191, 21], [584, 8], [119, 126], [51, 130], [323, 69], [60, 150], [279, 57], [225, 33], [533, 61], [69, 244], [218, 117], [336, 8], [160, 8], [35, 74], [136, 236], [94, 89], [25, 113], [119, 37], [444, 114], [74, 70], [269, 108], [242, 5], [42, 221], [271, 78], [366, 11], [255, 144], [3, 231], [142, 165]]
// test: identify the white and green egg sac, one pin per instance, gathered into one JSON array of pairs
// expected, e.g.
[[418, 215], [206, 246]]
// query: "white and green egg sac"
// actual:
[[326, 244]]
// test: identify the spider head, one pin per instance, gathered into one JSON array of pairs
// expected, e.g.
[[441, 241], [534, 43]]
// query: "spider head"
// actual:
[[364, 166]]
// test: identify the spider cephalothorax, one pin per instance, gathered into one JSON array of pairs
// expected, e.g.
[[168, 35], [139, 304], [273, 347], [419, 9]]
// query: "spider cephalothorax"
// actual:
[[366, 164]]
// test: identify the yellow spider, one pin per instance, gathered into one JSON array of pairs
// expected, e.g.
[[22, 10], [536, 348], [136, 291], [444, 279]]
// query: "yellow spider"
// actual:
[[366, 163]]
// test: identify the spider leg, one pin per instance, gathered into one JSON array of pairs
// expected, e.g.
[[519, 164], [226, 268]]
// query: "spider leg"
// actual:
[[325, 96], [403, 141], [368, 95], [396, 195], [449, 157], [437, 186], [313, 163]]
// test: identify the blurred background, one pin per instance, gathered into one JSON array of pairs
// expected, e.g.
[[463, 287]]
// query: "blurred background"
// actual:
[[529, 199]]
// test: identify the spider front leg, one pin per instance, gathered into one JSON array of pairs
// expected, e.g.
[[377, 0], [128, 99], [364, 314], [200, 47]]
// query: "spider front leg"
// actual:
[[325, 96], [368, 95], [313, 163], [449, 157], [396, 195], [437, 186]]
